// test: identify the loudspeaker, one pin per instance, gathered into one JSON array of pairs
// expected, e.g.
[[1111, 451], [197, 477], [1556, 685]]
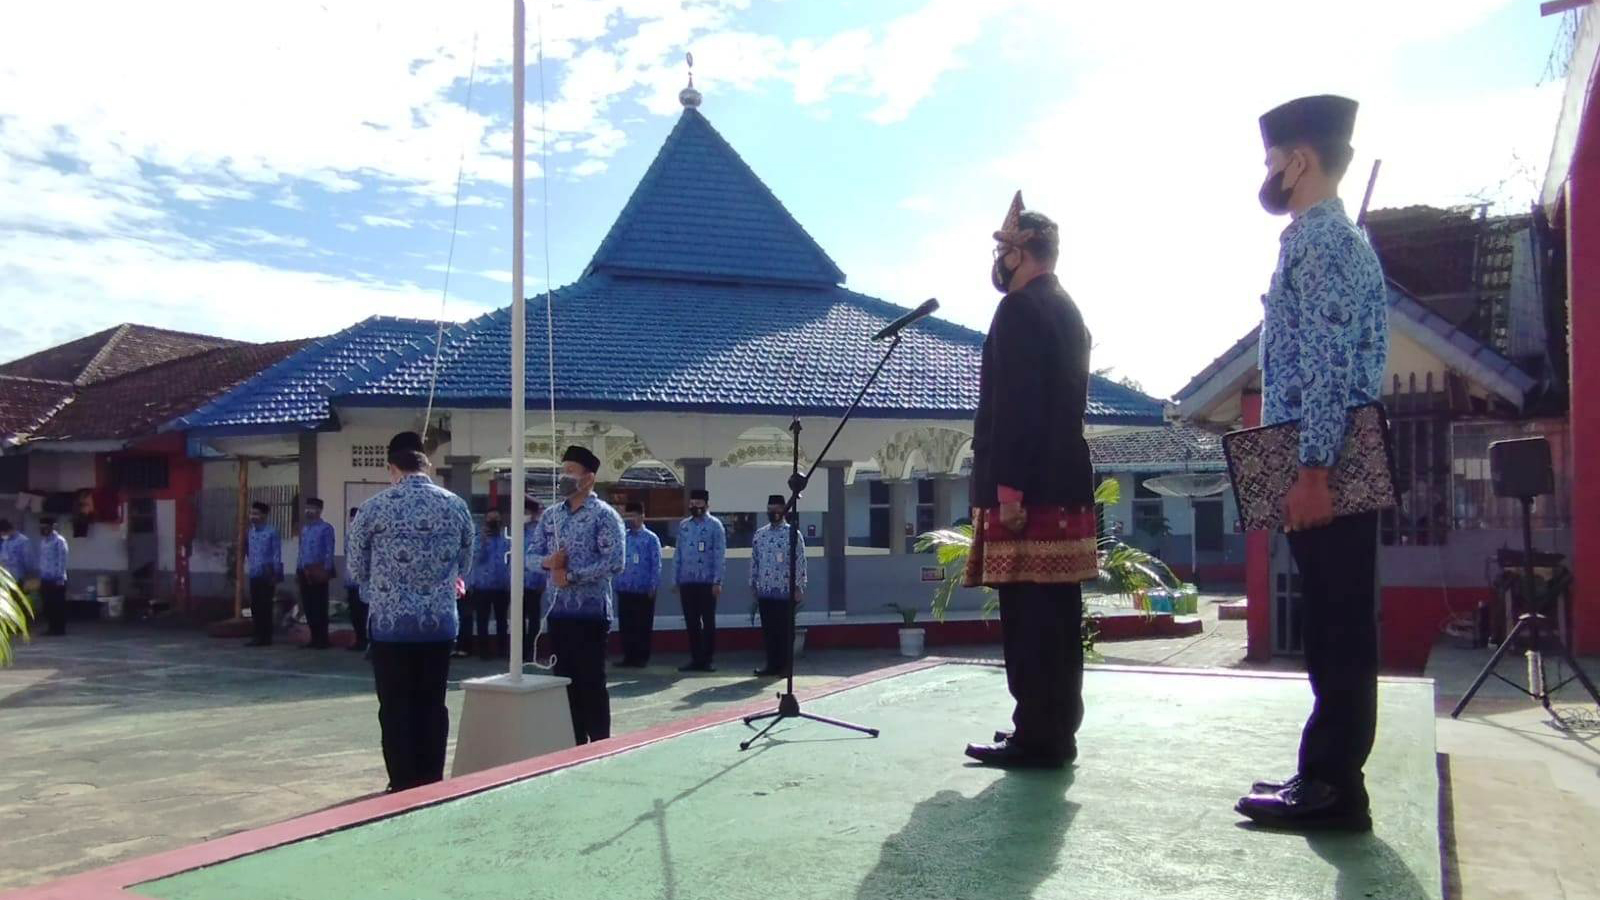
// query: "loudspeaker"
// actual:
[[1521, 468]]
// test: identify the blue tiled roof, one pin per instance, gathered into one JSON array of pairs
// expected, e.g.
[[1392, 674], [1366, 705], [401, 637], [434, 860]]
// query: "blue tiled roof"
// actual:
[[635, 343], [294, 393], [701, 213]]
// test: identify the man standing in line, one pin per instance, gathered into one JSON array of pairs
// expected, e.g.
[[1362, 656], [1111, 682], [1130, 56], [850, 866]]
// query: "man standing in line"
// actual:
[[407, 548], [352, 592], [699, 561], [1034, 526], [580, 543], [313, 571], [50, 567], [264, 568], [769, 582], [489, 585], [533, 581], [1324, 350], [14, 551], [636, 589]]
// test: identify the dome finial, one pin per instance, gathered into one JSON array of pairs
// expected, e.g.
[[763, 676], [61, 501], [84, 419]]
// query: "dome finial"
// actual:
[[689, 97]]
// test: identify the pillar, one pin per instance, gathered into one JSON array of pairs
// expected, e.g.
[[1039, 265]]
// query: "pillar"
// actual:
[[1257, 565], [836, 534], [694, 475], [902, 494], [1583, 309], [948, 504], [460, 482], [308, 467]]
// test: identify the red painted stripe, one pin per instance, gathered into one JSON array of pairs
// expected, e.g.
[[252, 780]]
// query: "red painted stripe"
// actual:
[[110, 883]]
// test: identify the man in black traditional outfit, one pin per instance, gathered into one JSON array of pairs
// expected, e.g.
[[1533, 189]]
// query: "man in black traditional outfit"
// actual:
[[1033, 493]]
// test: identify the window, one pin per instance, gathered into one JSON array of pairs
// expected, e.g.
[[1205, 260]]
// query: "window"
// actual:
[[1149, 512], [13, 474], [1208, 525], [1419, 424], [1474, 505]]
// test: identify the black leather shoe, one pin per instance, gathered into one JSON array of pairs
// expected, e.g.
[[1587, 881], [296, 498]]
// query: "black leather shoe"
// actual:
[[1006, 755], [1272, 787], [1001, 737], [1308, 805]]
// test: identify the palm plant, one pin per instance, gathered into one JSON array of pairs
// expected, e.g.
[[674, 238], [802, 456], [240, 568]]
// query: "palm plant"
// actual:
[[15, 611], [1124, 569]]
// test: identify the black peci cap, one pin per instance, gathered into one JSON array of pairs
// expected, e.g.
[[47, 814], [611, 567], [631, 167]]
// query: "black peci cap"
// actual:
[[1317, 119]]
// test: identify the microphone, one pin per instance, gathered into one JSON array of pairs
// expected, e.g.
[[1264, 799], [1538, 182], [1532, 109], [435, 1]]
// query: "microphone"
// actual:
[[894, 328]]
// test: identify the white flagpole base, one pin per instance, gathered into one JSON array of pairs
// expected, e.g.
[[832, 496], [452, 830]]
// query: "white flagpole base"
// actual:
[[505, 721]]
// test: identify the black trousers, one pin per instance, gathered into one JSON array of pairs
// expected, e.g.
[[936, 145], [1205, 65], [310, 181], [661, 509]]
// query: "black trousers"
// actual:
[[497, 604], [411, 679], [262, 614], [54, 600], [1042, 625], [358, 614], [580, 649], [464, 612], [314, 600], [700, 618], [636, 620], [532, 600], [777, 617], [1338, 580]]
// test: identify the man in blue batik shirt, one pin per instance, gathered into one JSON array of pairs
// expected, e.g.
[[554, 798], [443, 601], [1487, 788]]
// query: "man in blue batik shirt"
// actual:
[[636, 589], [50, 567], [1324, 349], [14, 551], [533, 580], [313, 570], [407, 548], [769, 582], [264, 568], [352, 592], [580, 543], [698, 563], [489, 587]]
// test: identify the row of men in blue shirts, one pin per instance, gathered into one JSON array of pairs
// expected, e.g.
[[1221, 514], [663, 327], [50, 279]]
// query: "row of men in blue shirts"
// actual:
[[698, 568], [45, 562]]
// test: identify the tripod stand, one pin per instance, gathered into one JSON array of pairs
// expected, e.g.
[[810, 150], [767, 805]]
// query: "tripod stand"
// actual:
[[788, 705], [1531, 625]]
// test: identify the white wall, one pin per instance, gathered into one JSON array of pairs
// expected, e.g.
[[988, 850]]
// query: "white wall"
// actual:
[[51, 472]]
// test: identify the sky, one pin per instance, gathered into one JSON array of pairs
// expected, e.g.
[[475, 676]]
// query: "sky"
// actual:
[[265, 171]]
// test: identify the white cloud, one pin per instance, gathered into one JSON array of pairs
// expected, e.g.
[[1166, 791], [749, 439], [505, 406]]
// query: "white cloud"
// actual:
[[384, 222], [260, 237]]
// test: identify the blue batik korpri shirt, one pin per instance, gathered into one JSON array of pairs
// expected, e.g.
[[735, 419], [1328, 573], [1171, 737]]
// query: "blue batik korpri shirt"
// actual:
[[14, 555], [769, 563], [533, 577], [702, 551], [263, 553], [641, 574], [406, 549], [592, 537], [316, 546], [491, 564], [1325, 335], [50, 562]]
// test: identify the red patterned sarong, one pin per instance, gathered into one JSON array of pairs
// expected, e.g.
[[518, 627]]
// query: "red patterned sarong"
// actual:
[[1058, 546]]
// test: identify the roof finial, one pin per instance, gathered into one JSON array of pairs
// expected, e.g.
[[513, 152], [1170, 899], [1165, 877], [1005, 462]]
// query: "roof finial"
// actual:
[[689, 97]]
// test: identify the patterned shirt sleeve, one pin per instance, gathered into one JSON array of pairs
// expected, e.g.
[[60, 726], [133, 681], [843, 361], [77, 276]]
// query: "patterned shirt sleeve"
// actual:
[[652, 561], [357, 549], [719, 551], [1322, 283], [801, 563], [275, 554], [464, 549]]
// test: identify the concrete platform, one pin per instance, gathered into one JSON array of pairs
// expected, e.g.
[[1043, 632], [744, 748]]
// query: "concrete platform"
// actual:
[[1147, 813]]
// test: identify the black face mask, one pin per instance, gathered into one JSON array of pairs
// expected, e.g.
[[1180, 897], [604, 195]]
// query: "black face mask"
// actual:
[[775, 517], [1001, 274], [1274, 196], [697, 511]]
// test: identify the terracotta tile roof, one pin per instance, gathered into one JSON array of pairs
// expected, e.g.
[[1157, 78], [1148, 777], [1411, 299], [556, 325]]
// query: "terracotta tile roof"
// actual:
[[113, 352], [25, 402], [138, 402]]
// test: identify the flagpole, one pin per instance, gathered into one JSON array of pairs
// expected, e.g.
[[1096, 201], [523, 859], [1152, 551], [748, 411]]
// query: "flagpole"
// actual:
[[519, 337]]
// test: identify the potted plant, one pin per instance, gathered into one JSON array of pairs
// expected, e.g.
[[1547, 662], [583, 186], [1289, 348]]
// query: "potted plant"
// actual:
[[912, 639], [15, 611]]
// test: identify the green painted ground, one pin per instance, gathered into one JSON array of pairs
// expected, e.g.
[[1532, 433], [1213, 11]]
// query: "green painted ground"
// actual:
[[820, 813]]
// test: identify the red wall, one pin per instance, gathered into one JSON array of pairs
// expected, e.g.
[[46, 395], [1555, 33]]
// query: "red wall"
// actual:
[[1414, 617], [184, 481], [1583, 260]]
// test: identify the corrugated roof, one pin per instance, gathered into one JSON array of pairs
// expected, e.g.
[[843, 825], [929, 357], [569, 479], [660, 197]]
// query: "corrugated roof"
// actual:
[[293, 393], [1170, 448], [700, 212]]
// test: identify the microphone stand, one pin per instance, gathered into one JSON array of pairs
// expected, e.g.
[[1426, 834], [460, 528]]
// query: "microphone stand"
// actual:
[[788, 705]]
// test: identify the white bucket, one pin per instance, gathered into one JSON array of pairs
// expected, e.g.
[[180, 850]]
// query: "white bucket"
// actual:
[[911, 641], [112, 607]]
